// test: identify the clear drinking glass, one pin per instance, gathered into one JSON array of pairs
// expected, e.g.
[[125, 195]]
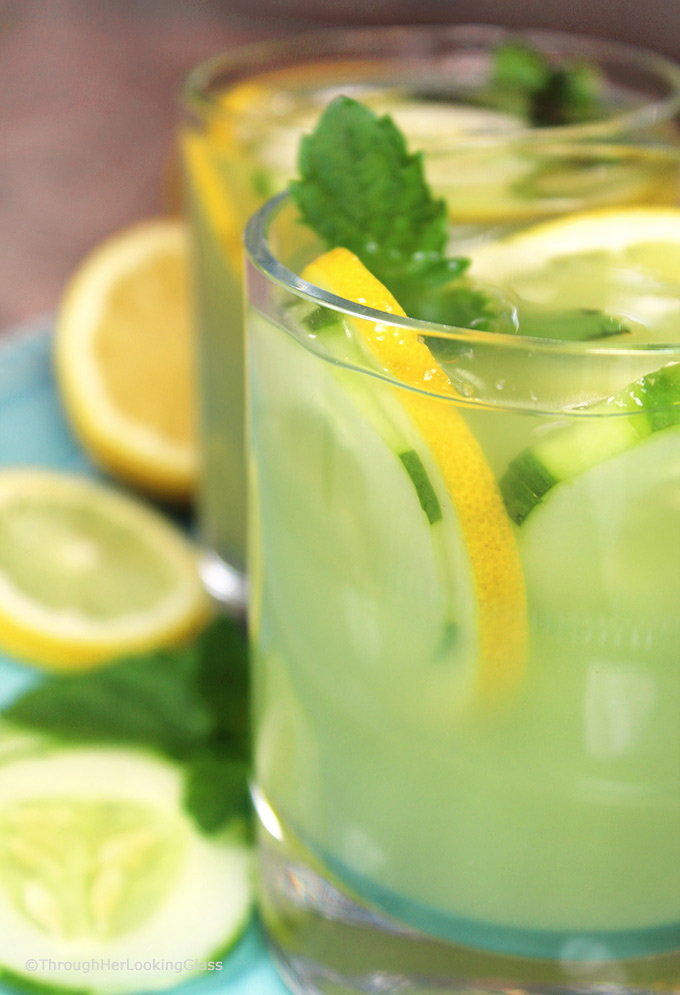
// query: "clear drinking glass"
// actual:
[[243, 116], [464, 622]]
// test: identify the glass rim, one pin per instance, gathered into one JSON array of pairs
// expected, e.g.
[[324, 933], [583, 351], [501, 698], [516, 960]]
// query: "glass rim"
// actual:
[[258, 251], [300, 48]]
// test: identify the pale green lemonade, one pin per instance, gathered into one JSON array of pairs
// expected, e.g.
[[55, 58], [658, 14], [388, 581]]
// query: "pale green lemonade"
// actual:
[[524, 817], [246, 112]]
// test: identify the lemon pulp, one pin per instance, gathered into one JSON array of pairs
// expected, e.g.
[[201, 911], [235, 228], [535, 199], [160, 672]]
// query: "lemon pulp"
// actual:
[[87, 573], [124, 358], [623, 261]]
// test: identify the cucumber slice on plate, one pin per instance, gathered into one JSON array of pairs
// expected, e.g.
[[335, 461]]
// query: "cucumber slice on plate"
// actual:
[[18, 742], [100, 863]]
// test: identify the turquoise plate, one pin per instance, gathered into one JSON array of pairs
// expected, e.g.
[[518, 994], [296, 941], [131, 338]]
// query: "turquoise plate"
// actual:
[[34, 432]]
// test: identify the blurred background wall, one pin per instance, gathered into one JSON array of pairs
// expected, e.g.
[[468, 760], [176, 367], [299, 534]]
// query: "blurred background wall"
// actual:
[[655, 23], [88, 103]]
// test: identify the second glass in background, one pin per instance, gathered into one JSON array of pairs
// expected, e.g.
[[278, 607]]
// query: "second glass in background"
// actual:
[[245, 113]]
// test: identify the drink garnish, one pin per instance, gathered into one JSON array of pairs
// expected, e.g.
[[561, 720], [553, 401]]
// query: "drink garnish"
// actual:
[[569, 324], [648, 405], [187, 703], [360, 188], [544, 92], [456, 488]]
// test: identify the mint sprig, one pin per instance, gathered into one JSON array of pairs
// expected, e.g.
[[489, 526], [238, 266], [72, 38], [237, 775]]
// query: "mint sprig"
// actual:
[[187, 703], [527, 82], [361, 188]]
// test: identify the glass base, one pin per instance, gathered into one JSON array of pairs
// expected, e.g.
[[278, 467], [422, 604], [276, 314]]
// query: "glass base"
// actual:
[[226, 585], [326, 940], [304, 977]]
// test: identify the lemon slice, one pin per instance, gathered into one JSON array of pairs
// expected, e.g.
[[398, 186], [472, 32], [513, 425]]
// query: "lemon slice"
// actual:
[[251, 151], [426, 124], [498, 590], [636, 232], [623, 261], [124, 358], [486, 183], [220, 181], [87, 574], [100, 863]]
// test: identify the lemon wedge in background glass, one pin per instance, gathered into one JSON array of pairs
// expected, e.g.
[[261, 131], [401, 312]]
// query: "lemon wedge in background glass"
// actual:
[[124, 358], [87, 573], [622, 261]]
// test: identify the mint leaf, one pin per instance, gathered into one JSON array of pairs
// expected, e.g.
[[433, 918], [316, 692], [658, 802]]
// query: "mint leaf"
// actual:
[[188, 703], [463, 305], [223, 683], [361, 188], [216, 792], [147, 701], [567, 97], [519, 69], [526, 81], [575, 325]]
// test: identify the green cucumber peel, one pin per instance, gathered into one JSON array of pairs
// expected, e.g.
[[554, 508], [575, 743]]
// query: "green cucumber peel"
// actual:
[[650, 404], [524, 484], [427, 496], [21, 983]]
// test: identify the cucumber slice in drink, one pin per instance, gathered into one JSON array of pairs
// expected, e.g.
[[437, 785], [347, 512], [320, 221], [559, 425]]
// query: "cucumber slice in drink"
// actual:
[[601, 553], [100, 863], [353, 562], [621, 422], [369, 556], [426, 123]]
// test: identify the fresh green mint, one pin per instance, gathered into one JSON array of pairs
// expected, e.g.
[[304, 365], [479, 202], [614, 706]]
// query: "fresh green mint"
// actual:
[[216, 792], [149, 701], [528, 83], [361, 188], [187, 703]]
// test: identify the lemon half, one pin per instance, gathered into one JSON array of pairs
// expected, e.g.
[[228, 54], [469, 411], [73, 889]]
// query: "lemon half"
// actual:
[[646, 239], [124, 358]]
